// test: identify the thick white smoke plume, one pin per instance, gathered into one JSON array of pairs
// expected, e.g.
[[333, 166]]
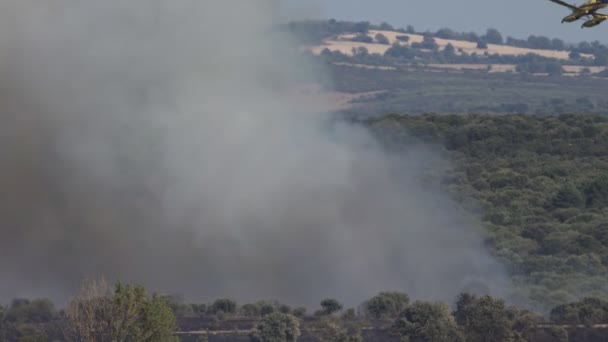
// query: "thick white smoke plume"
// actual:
[[154, 141]]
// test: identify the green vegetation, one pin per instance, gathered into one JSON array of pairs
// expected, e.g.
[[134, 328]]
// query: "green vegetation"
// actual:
[[314, 32], [540, 185], [488, 319], [29, 320], [128, 314], [330, 306], [125, 314], [386, 304], [277, 327], [321, 29], [424, 321], [418, 79], [589, 311], [417, 91], [98, 313]]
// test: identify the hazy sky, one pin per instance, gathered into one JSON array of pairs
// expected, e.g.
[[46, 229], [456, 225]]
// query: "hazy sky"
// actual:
[[517, 18]]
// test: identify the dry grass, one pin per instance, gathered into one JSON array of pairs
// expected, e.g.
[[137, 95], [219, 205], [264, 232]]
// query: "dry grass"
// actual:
[[365, 66], [346, 47], [577, 69], [305, 95], [493, 67]]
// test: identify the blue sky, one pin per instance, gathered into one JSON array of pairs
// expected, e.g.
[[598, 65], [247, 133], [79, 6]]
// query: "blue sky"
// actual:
[[517, 18]]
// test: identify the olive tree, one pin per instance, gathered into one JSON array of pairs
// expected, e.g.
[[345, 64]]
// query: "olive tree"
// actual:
[[332, 329], [224, 305], [386, 305], [2, 325], [277, 327], [330, 306], [381, 39], [431, 322], [483, 318], [125, 313]]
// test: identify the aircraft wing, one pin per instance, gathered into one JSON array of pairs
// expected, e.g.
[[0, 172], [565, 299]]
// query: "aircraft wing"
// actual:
[[560, 2]]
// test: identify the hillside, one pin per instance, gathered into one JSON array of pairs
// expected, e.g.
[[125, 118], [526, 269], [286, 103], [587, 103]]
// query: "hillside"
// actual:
[[445, 46], [540, 186], [377, 69], [418, 91], [344, 43]]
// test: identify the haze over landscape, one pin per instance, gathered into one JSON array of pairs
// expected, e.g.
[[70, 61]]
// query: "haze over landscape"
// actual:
[[248, 161], [142, 164]]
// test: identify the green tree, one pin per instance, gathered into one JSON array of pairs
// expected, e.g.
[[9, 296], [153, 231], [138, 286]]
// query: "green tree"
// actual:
[[386, 27], [250, 310], [428, 42], [596, 192], [483, 318], [386, 305], [574, 55], [554, 68], [330, 306], [446, 33], [277, 327], [29, 320], [330, 329], [363, 38], [261, 308], [2, 324], [431, 322], [400, 51], [299, 312], [449, 52], [569, 196], [539, 42], [588, 311], [381, 39], [349, 314], [601, 59], [558, 44], [125, 314], [360, 52], [227, 306], [30, 311], [179, 306], [493, 36], [593, 311], [362, 27], [199, 309]]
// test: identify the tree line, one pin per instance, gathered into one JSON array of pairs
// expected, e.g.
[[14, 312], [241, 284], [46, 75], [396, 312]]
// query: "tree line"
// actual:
[[321, 29], [313, 32], [128, 313]]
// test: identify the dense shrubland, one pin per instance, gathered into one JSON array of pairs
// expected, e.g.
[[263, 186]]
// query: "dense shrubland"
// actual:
[[539, 184]]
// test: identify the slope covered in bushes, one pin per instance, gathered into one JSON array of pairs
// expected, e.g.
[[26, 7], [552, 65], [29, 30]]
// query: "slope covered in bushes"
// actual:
[[538, 183]]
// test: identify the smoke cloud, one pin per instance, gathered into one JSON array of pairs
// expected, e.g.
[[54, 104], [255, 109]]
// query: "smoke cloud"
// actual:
[[157, 142]]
